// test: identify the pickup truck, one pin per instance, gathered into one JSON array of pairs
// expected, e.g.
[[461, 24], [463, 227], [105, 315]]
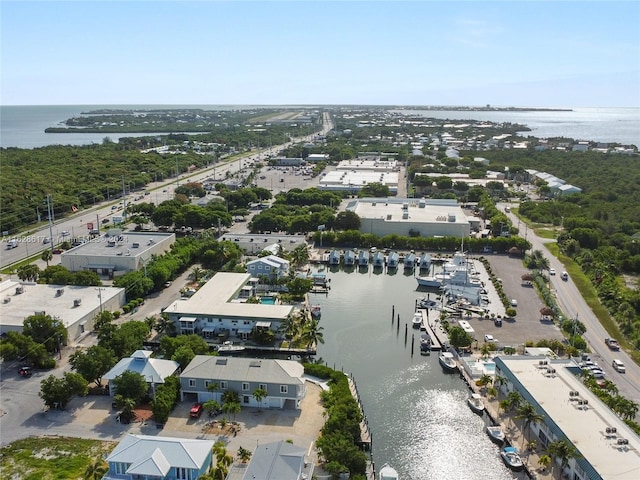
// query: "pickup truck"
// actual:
[[612, 344]]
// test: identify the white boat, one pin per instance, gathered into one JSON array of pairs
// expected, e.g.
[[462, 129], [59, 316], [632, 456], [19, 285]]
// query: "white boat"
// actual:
[[495, 434], [378, 260], [429, 281], [334, 257], [349, 258], [387, 472], [447, 362], [425, 262], [363, 258], [512, 459], [416, 321], [475, 403], [392, 260]]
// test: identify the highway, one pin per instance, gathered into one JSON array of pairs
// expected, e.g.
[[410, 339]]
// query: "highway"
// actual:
[[79, 225], [574, 306]]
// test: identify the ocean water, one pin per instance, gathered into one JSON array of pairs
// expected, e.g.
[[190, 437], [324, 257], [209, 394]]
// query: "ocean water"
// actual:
[[23, 126]]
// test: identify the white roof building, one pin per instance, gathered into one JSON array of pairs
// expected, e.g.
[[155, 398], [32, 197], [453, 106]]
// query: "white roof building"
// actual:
[[607, 447], [353, 180], [408, 216], [220, 305], [117, 253], [75, 306]]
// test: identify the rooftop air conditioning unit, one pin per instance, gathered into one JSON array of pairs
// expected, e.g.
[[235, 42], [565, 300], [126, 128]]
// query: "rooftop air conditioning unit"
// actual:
[[77, 302], [40, 312], [59, 292], [19, 290]]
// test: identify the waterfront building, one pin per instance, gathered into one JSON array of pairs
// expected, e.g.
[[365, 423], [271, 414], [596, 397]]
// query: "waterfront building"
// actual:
[[411, 216], [117, 252], [283, 380], [607, 448], [75, 306], [271, 266], [283, 461], [219, 309]]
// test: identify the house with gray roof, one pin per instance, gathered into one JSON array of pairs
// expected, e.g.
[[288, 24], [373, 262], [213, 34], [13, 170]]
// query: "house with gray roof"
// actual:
[[160, 458], [154, 370], [271, 266], [275, 461], [281, 379]]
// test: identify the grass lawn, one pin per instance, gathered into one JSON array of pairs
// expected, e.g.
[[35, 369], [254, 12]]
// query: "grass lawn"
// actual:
[[43, 458]]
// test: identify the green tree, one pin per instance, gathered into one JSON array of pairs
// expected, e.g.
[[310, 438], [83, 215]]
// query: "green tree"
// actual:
[[131, 385], [528, 414], [57, 392], [46, 330], [259, 394], [28, 273], [459, 338], [96, 470], [244, 455], [47, 256], [93, 363], [298, 287], [562, 450], [347, 221], [312, 333]]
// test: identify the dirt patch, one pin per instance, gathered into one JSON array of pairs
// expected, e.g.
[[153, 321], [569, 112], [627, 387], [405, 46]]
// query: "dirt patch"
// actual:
[[143, 413]]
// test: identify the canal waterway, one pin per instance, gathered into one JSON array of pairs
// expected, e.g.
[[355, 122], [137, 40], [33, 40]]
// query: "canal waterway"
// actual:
[[417, 414]]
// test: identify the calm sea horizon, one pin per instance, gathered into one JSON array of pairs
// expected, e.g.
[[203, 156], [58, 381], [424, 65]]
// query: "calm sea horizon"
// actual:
[[24, 126]]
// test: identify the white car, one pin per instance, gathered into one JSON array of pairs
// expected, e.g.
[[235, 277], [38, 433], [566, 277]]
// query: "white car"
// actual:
[[489, 338], [552, 271], [619, 366], [514, 302]]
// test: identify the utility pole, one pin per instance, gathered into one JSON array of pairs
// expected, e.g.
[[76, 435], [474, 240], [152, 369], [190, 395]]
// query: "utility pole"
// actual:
[[99, 289], [50, 214]]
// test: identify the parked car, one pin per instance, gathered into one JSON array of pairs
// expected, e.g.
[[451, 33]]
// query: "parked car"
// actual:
[[552, 271], [196, 410], [25, 371], [489, 338], [514, 302]]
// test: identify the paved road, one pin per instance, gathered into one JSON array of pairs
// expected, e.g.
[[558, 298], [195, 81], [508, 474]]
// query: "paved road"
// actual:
[[574, 306]]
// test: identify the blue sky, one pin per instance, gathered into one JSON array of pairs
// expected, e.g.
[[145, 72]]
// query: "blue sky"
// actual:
[[510, 53]]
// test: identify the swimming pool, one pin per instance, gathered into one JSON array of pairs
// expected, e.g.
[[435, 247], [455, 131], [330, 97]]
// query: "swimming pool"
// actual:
[[268, 300]]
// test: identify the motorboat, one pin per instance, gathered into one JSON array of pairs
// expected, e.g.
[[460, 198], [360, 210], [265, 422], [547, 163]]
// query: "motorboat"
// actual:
[[363, 258], [410, 261], [495, 434], [387, 472], [475, 403], [349, 258], [334, 257], [315, 311], [447, 362], [427, 303], [429, 281], [511, 458], [416, 321], [425, 344]]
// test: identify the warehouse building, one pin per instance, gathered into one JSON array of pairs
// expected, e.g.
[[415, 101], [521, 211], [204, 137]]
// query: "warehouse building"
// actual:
[[411, 217]]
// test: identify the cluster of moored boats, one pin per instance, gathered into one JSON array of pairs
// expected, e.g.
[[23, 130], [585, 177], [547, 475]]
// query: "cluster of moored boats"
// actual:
[[379, 259]]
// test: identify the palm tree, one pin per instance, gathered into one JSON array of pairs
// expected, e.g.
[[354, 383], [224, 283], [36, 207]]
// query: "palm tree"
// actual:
[[47, 255], [544, 461], [223, 461], [244, 454], [312, 333], [232, 408], [300, 255], [563, 450], [529, 415], [96, 470], [492, 392], [196, 274], [289, 328], [484, 380], [259, 394]]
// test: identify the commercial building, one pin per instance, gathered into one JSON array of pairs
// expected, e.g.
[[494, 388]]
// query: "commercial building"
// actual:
[[75, 306], [607, 448], [352, 181], [117, 252], [411, 217], [254, 243], [218, 309]]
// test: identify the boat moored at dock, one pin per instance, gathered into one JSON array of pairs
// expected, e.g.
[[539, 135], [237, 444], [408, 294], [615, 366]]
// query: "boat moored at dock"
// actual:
[[447, 362], [495, 434], [475, 403], [429, 281], [387, 472], [511, 458], [425, 344], [363, 258], [416, 321], [425, 261], [393, 259]]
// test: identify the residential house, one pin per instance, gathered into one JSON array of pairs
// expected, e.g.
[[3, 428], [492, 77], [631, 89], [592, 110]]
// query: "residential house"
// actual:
[[275, 461], [281, 379], [154, 370], [159, 458], [271, 266]]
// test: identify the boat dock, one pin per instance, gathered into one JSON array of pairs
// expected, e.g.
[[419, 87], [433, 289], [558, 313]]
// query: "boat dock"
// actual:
[[365, 433], [426, 326]]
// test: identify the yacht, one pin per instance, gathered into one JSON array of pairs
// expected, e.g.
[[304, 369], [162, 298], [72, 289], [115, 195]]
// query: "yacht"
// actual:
[[388, 473], [447, 362], [475, 403]]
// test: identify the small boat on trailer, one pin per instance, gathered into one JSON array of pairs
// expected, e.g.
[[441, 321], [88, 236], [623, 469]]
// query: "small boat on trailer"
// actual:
[[387, 472], [511, 459], [495, 434]]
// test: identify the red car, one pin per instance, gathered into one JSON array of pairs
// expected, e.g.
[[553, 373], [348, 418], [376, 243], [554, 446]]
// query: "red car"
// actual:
[[196, 410]]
